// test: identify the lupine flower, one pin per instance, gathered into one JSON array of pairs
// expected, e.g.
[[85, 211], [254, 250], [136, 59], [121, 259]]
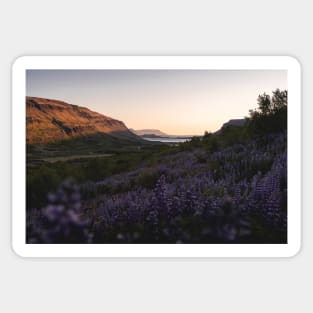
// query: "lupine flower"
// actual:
[[231, 196], [61, 219]]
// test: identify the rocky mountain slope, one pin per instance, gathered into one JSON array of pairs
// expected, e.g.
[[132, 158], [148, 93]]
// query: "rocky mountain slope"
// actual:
[[235, 122], [51, 121], [232, 122]]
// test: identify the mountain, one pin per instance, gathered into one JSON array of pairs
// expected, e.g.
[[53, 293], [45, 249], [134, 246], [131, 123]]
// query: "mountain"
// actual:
[[72, 128], [232, 122], [235, 122], [51, 120], [149, 132]]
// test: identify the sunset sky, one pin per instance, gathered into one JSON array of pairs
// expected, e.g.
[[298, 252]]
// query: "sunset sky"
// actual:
[[177, 102]]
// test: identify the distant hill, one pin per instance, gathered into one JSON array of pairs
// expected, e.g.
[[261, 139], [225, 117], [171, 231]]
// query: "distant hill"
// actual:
[[72, 127], [156, 133], [149, 132]]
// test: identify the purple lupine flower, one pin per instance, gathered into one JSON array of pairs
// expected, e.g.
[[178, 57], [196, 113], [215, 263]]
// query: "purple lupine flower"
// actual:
[[62, 221]]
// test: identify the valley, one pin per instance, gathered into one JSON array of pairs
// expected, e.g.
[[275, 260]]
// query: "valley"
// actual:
[[98, 182]]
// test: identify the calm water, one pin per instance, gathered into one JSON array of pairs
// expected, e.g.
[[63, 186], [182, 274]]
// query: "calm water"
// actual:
[[168, 140]]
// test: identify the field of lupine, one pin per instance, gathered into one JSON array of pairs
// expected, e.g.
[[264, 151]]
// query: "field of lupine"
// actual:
[[235, 195]]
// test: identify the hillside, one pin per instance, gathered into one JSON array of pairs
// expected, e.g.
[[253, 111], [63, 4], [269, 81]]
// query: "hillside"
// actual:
[[232, 122], [237, 194], [235, 122], [51, 120], [58, 128]]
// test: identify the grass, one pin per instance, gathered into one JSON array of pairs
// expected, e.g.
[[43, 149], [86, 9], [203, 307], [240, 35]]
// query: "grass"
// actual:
[[75, 157]]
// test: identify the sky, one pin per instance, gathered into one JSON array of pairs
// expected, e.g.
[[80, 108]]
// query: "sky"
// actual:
[[177, 102]]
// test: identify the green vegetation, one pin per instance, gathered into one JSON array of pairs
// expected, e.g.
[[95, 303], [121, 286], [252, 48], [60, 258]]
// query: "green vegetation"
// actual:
[[84, 145], [45, 177], [271, 114], [75, 157]]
